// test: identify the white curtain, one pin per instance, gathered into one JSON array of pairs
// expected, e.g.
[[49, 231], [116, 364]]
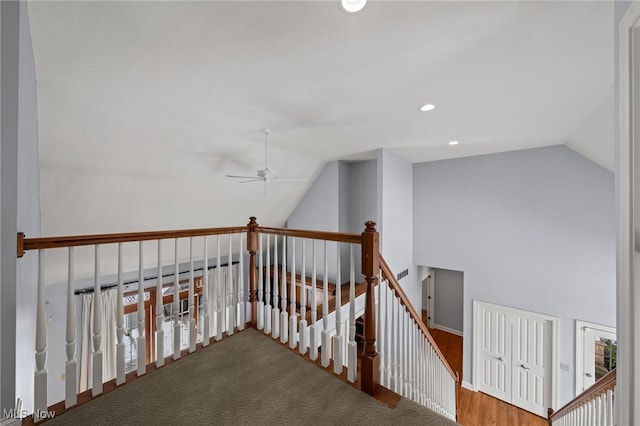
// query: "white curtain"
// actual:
[[108, 305], [221, 291]]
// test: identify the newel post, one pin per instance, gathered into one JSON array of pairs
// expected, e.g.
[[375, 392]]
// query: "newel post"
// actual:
[[252, 248], [370, 267]]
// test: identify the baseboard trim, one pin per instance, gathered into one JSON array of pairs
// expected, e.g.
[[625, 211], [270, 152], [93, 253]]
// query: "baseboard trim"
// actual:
[[468, 385], [448, 330]]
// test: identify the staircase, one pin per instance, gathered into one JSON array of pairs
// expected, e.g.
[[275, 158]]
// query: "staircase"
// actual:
[[285, 288]]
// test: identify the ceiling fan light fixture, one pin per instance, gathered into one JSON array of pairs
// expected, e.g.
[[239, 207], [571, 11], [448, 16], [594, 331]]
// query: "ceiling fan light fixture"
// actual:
[[353, 5]]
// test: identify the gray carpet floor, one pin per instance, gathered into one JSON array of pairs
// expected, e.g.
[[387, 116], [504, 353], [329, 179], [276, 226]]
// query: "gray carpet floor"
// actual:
[[246, 379]]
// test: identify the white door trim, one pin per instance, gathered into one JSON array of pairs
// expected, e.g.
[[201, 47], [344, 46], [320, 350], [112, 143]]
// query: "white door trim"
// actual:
[[628, 380], [580, 327], [555, 327]]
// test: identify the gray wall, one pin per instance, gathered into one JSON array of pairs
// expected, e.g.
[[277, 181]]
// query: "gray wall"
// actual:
[[531, 229], [319, 210], [341, 199], [449, 293], [20, 204], [395, 220], [362, 202]]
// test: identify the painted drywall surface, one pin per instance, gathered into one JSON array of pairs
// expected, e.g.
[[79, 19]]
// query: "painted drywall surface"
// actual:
[[28, 219], [531, 229], [449, 299], [395, 221], [362, 194], [362, 203], [10, 28], [20, 204], [344, 194], [319, 210]]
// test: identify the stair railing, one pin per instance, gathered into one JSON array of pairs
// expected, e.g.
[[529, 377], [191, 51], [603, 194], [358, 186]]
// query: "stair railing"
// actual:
[[411, 361], [223, 305], [303, 288], [593, 407]]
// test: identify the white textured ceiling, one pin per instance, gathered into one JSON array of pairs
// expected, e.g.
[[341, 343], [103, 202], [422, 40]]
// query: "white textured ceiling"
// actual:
[[144, 106]]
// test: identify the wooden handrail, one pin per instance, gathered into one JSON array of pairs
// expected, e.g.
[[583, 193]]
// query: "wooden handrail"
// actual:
[[340, 237], [393, 282], [607, 382], [25, 244]]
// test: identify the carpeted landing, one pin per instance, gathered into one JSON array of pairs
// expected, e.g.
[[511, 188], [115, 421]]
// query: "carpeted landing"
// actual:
[[246, 379]]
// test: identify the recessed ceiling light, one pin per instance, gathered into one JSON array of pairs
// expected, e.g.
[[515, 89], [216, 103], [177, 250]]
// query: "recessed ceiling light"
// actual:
[[454, 143], [353, 5], [427, 107]]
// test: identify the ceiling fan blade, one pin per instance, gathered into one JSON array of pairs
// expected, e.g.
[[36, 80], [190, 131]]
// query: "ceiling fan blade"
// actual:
[[242, 177], [292, 178], [251, 180]]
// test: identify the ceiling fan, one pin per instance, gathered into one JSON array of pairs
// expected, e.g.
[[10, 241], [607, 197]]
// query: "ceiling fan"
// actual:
[[265, 175]]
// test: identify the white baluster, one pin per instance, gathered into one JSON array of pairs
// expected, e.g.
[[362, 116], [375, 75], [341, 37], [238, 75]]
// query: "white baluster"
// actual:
[[338, 339], [220, 306], [423, 365], [304, 333], [120, 362], [275, 320], [142, 335], [40, 376], [284, 315], [610, 409], [352, 348], [206, 332], [230, 302], [260, 319], [384, 347], [71, 382], [268, 283], [293, 320], [96, 385], [599, 411], [242, 301], [326, 341], [406, 359], [159, 312], [191, 296], [380, 336], [313, 337], [177, 328], [412, 359], [396, 345]]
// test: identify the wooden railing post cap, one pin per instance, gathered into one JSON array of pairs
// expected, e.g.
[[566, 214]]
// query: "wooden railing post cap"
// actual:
[[252, 221], [370, 226]]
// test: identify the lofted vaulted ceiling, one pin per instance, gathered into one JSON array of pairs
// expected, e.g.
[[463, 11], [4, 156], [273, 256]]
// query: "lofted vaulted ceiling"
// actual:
[[145, 106]]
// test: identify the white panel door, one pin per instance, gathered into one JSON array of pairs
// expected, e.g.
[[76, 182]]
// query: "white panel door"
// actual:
[[495, 354], [513, 354], [531, 382]]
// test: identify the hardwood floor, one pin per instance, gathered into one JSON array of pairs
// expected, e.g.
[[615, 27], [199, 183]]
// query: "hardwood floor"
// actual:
[[477, 408]]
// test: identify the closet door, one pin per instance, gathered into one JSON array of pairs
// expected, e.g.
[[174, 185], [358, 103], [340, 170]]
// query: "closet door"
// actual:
[[531, 375], [495, 352], [513, 354]]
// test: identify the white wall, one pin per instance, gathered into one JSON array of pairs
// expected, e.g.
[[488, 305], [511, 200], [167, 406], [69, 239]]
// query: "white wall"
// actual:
[[20, 204], [395, 220], [531, 229]]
